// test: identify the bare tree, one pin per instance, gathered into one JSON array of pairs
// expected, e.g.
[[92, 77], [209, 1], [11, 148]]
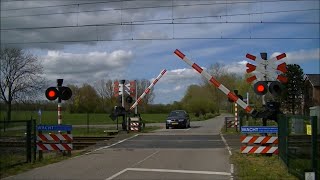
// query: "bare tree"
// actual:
[[217, 70], [20, 76], [105, 91], [142, 85]]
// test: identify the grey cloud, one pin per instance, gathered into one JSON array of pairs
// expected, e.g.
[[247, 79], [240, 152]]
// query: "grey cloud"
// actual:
[[83, 67], [178, 75], [91, 34]]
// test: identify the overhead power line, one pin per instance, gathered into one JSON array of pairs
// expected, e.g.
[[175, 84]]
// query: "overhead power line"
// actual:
[[134, 8], [157, 21], [109, 1], [165, 39]]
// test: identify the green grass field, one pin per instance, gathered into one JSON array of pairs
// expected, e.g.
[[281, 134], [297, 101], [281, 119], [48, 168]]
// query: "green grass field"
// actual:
[[50, 117]]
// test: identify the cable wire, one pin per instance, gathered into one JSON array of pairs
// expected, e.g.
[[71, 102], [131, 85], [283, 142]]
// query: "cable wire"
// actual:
[[156, 21], [165, 39], [137, 8]]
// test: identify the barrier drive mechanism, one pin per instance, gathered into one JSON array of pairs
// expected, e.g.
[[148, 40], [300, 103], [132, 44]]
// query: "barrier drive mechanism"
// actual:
[[131, 123]]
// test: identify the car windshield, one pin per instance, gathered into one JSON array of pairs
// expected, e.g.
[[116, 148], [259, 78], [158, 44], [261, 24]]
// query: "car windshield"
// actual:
[[177, 113]]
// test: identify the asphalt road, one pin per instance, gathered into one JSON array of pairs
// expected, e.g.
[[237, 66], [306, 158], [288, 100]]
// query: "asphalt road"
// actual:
[[194, 153]]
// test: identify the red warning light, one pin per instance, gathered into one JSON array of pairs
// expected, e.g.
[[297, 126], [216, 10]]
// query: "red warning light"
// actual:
[[51, 93], [260, 88]]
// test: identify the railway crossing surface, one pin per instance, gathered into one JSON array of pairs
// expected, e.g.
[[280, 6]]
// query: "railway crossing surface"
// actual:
[[195, 153]]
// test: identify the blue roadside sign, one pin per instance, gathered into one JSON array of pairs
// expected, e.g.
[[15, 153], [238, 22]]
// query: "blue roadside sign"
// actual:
[[54, 127], [259, 129]]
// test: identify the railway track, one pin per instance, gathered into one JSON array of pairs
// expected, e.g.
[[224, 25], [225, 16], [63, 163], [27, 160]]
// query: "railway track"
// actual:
[[79, 142]]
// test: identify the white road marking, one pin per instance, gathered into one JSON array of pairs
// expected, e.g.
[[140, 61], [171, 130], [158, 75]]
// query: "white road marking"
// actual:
[[145, 158], [225, 142], [145, 140], [180, 171], [106, 147], [170, 171], [232, 171], [117, 174], [232, 168]]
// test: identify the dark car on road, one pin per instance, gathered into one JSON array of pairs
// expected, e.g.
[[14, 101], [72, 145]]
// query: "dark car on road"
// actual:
[[178, 118]]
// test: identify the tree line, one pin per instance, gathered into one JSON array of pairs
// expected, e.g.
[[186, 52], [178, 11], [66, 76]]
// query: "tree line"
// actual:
[[22, 85]]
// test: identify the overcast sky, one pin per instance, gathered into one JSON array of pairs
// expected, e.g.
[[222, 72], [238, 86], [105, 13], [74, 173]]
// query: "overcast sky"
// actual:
[[86, 41]]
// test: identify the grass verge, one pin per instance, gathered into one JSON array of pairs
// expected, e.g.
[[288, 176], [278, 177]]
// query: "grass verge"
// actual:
[[255, 166]]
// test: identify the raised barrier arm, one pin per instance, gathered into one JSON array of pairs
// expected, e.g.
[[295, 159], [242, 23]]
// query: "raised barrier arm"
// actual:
[[216, 83], [146, 91]]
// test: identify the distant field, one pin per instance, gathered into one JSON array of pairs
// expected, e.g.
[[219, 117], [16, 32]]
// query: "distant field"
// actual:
[[50, 117]]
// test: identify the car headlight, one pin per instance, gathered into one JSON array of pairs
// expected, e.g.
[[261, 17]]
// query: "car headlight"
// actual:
[[180, 120]]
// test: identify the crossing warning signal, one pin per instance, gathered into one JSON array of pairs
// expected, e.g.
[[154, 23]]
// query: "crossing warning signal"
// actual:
[[64, 93], [52, 93], [260, 88]]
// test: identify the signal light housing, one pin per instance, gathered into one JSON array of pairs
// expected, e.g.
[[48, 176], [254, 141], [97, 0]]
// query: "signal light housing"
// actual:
[[64, 93], [52, 93], [275, 88], [260, 88], [129, 99]]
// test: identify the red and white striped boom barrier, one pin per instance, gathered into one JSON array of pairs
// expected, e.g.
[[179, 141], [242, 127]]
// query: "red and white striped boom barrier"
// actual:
[[146, 91], [216, 83]]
